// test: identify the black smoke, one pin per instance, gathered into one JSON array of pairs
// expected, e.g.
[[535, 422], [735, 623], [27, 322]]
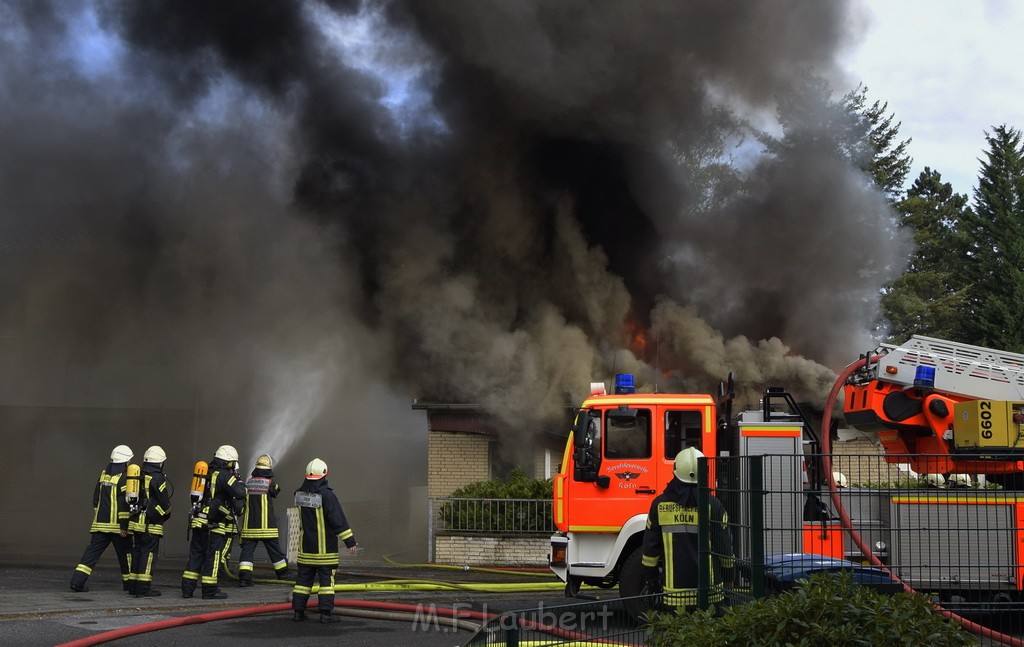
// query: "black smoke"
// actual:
[[278, 206]]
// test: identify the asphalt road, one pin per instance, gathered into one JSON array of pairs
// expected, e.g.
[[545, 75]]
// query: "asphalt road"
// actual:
[[37, 608]]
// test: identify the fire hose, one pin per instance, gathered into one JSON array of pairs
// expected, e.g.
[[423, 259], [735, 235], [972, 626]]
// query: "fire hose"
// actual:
[[458, 618], [826, 450]]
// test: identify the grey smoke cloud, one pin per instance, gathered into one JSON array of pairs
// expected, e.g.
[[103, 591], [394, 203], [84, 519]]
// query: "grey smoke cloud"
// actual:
[[222, 185]]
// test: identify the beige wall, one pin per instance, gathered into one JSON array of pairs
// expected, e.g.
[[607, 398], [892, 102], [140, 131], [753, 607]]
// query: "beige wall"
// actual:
[[467, 550], [455, 460]]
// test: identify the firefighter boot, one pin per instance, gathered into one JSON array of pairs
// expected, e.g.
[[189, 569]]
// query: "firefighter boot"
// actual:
[[284, 574], [213, 593], [328, 618], [132, 586], [298, 615], [245, 579], [188, 588]]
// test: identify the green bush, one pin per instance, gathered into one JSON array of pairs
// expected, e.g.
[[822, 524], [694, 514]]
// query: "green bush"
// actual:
[[495, 516], [829, 609]]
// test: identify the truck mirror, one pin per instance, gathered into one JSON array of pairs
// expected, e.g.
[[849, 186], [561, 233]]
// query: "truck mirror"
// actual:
[[603, 481], [584, 432]]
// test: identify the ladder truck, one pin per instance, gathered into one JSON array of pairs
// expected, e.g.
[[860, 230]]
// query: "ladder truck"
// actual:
[[941, 406]]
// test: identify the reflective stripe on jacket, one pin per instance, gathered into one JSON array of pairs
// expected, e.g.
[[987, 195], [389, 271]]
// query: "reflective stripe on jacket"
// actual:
[[109, 506], [322, 523], [156, 502], [260, 521]]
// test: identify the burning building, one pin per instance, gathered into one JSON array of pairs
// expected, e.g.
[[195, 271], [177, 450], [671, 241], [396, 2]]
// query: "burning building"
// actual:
[[275, 224]]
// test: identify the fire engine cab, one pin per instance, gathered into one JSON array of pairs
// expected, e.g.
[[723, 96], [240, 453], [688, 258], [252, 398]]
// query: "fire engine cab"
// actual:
[[619, 456]]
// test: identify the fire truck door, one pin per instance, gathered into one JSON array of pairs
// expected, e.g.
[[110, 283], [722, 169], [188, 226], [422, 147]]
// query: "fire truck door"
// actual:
[[630, 465], [684, 428]]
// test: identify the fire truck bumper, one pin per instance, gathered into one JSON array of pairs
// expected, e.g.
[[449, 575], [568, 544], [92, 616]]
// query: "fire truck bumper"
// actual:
[[558, 558]]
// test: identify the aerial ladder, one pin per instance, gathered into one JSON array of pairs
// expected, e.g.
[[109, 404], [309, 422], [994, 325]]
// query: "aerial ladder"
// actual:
[[943, 407]]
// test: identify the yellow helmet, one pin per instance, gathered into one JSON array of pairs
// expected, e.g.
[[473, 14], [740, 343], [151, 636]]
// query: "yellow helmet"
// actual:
[[316, 469], [265, 462], [686, 464]]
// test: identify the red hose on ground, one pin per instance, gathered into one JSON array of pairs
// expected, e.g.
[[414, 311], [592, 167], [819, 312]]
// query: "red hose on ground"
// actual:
[[170, 623], [844, 517], [229, 614]]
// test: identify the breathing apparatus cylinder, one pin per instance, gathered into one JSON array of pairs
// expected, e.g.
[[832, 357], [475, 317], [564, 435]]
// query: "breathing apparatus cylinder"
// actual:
[[132, 487], [199, 481]]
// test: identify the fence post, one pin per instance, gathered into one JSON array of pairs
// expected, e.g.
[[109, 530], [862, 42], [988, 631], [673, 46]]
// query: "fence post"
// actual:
[[430, 530], [756, 494], [512, 635], [704, 571]]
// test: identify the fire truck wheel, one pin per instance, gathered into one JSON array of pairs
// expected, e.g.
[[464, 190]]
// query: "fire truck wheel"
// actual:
[[631, 584]]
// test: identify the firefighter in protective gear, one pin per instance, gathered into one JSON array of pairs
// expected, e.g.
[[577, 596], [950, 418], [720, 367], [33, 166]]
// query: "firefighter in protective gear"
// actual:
[[224, 498], [260, 522], [148, 527], [321, 524], [671, 537], [109, 521]]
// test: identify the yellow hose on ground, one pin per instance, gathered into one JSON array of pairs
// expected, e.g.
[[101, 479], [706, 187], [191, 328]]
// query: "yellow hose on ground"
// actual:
[[476, 569]]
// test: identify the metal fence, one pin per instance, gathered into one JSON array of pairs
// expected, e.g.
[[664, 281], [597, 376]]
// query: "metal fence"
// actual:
[[606, 622], [504, 516], [958, 539], [501, 517]]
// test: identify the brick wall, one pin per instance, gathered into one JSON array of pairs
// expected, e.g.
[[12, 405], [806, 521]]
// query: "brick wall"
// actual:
[[455, 460], [476, 550], [862, 460]]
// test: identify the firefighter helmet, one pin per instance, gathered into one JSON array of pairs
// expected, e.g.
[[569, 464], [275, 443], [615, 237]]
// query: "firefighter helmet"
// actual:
[[226, 453], [154, 454], [121, 454], [316, 469], [686, 464], [960, 480], [935, 480], [265, 462]]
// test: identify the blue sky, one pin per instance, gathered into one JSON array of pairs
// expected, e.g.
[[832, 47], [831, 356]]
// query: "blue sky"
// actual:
[[949, 70]]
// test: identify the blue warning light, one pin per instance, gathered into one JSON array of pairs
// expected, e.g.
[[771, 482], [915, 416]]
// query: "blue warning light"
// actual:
[[624, 384], [925, 376]]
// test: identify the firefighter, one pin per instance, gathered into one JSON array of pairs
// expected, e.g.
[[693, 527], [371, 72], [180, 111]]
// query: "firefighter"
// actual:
[[671, 536], [260, 522], [109, 521], [213, 524], [148, 527], [321, 524]]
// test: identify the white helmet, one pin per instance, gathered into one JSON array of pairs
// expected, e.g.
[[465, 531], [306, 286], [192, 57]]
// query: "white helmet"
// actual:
[[265, 462], [686, 464], [960, 480], [121, 454], [840, 479], [316, 469], [226, 453], [154, 454], [935, 480]]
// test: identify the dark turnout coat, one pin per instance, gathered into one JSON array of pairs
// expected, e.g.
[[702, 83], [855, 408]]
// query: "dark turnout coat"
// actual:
[[322, 524], [671, 535]]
